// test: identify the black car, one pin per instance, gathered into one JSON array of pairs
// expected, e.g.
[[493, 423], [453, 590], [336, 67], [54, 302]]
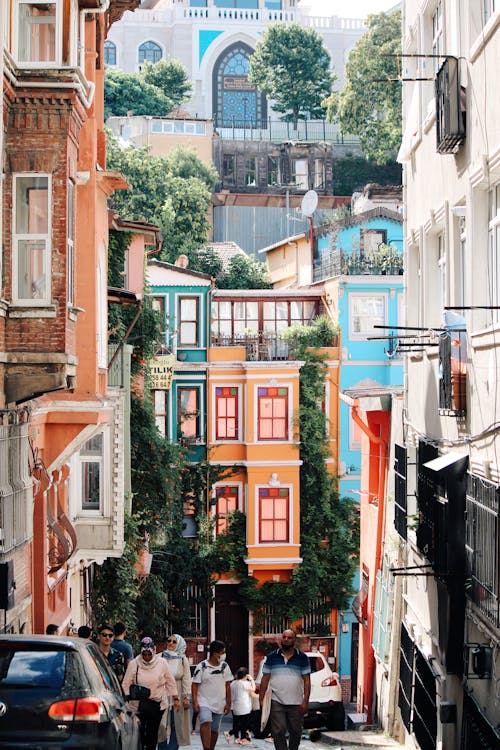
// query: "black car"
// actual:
[[59, 693]]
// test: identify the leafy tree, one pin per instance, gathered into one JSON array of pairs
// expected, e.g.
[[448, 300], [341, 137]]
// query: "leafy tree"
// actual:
[[291, 65], [172, 192], [129, 92], [156, 90], [170, 76], [369, 104], [352, 173], [244, 272]]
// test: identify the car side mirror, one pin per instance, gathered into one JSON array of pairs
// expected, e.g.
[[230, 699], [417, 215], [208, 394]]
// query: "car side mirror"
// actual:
[[138, 692]]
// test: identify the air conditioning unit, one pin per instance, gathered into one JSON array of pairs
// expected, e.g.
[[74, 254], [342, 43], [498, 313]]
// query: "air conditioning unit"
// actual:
[[450, 108]]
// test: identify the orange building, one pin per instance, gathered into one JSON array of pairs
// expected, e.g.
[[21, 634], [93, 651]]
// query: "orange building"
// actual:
[[65, 432]]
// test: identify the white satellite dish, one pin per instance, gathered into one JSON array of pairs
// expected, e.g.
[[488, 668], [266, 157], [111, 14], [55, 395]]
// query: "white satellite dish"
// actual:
[[309, 203]]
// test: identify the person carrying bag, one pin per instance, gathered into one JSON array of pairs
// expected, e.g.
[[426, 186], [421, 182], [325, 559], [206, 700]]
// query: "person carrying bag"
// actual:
[[149, 670]]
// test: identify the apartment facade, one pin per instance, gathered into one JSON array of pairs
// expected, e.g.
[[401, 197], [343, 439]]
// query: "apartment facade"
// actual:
[[441, 547], [62, 469]]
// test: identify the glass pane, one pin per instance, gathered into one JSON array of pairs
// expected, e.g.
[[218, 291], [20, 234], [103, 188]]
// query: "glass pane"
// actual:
[[231, 427], [37, 32], [221, 407], [279, 407], [225, 310], [282, 311], [266, 407], [267, 508], [296, 310], [225, 328], [188, 333], [280, 508], [269, 310], [265, 428], [280, 531], [160, 423], [188, 309], [266, 531], [239, 311], [239, 327], [31, 281], [45, 669], [32, 205], [159, 401], [279, 430], [91, 474], [252, 310]]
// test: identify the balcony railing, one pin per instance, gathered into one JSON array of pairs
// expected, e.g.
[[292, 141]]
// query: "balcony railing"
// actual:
[[259, 348], [277, 131], [339, 263]]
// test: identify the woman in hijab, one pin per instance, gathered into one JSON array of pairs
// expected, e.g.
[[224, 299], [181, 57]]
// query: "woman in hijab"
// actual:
[[151, 671], [177, 721]]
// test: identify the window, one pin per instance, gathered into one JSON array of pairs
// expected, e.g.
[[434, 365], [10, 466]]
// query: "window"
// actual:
[[371, 239], [272, 170], [188, 413], [245, 318], [160, 401], [275, 316], [226, 413], [149, 51], [300, 173], [355, 434], [319, 174], [250, 172], [31, 239], [437, 34], [493, 267], [441, 262], [489, 7], [37, 31], [70, 243], [228, 167], [366, 311], [274, 508], [227, 502], [272, 413], [188, 321], [109, 53], [91, 456], [382, 613]]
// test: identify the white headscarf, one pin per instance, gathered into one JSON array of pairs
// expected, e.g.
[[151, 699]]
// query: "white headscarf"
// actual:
[[180, 648]]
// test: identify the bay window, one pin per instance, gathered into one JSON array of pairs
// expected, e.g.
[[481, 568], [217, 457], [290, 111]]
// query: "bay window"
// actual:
[[31, 248], [37, 31]]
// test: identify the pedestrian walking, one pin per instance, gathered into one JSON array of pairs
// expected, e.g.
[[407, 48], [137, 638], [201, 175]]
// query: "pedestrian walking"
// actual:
[[211, 693], [287, 673], [119, 642], [105, 635], [242, 692], [52, 629], [150, 670], [84, 632], [176, 724]]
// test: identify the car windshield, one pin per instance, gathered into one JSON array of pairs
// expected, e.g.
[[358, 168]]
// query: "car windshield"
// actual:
[[316, 663], [34, 668]]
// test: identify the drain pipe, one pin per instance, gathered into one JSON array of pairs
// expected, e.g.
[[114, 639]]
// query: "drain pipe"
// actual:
[[95, 11]]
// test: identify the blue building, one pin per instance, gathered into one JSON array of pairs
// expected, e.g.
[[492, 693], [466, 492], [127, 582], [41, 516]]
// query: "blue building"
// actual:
[[360, 265]]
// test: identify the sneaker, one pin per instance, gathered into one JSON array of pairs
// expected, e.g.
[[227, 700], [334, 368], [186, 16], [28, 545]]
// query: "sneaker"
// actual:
[[268, 739], [238, 742], [228, 737]]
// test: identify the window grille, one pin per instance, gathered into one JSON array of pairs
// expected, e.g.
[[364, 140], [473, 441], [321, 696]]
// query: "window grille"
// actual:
[[274, 624], [406, 658], [401, 490], [424, 704], [317, 619], [450, 122]]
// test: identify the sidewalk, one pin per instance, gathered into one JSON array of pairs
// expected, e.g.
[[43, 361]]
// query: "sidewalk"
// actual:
[[351, 739]]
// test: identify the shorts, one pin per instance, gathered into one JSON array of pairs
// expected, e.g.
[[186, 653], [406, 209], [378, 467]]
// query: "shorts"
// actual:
[[206, 715]]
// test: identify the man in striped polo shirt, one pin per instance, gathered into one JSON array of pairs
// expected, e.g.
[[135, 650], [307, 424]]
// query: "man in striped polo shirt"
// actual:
[[288, 674]]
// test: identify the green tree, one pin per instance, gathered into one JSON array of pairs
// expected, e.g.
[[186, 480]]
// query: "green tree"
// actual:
[[173, 192], [244, 272], [369, 104], [129, 92], [291, 65], [156, 90], [170, 76]]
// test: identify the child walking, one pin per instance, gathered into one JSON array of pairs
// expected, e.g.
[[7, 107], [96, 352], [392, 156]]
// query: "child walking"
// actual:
[[242, 691]]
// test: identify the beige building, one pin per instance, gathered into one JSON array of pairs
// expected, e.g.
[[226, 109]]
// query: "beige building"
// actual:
[[437, 678]]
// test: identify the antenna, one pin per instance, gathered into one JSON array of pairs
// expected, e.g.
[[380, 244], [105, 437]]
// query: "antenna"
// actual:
[[309, 203]]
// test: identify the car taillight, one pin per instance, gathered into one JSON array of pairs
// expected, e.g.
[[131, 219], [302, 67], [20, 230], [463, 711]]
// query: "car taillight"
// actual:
[[329, 681], [81, 709]]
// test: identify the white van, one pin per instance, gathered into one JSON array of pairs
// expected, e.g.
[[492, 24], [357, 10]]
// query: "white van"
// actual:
[[325, 701]]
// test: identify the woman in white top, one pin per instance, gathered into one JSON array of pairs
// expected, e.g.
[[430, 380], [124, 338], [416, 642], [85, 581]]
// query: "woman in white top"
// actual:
[[242, 691]]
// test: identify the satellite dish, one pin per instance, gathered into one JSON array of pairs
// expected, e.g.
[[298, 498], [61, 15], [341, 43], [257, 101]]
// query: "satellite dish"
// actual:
[[309, 203]]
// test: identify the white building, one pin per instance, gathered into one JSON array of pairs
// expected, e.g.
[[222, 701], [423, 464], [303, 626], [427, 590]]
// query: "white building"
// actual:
[[446, 619], [214, 39]]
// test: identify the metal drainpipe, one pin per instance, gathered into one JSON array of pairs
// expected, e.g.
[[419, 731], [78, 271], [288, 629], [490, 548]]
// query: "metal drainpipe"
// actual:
[[127, 334]]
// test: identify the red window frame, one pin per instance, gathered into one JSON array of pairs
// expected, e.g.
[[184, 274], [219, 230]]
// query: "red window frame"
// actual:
[[274, 515], [226, 413], [227, 501], [272, 418]]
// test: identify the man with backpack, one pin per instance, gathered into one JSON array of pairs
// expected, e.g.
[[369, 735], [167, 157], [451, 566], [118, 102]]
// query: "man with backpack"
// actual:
[[211, 693]]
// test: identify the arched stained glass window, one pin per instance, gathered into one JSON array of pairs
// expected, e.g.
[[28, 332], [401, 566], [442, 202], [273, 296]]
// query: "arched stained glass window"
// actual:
[[109, 53], [236, 102], [149, 51]]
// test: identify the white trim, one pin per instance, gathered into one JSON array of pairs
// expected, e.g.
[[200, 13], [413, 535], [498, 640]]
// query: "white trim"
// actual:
[[200, 323], [249, 377], [351, 296], [369, 362], [178, 378], [274, 543], [239, 402], [255, 561], [289, 438], [484, 37], [46, 238], [57, 62]]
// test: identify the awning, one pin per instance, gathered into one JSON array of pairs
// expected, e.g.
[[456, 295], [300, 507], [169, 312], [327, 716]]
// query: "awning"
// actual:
[[455, 463]]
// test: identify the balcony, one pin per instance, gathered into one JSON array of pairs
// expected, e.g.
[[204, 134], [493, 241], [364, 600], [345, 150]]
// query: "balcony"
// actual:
[[452, 373], [278, 131], [262, 347], [387, 261]]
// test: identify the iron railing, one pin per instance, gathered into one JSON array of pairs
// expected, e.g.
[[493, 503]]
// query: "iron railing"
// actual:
[[355, 263], [482, 546], [259, 348], [452, 373], [277, 131], [400, 491]]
